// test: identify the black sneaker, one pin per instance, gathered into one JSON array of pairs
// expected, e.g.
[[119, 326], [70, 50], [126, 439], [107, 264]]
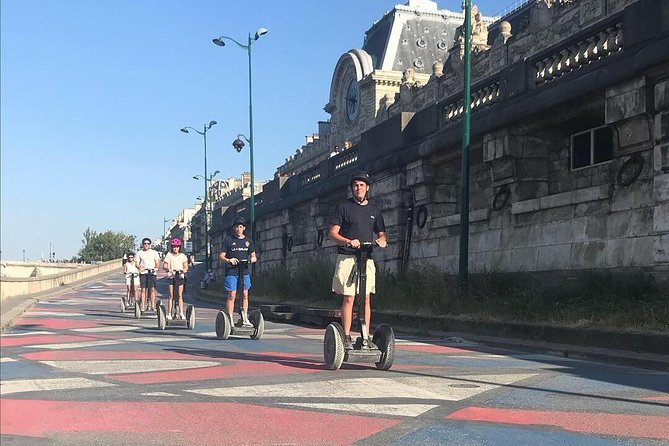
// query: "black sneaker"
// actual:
[[348, 342]]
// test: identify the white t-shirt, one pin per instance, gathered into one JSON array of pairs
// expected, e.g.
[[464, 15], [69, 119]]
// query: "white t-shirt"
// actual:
[[131, 268], [175, 262], [147, 260]]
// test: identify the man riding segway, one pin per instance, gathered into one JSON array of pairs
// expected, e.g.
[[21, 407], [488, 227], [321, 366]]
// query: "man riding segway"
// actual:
[[238, 253], [357, 226]]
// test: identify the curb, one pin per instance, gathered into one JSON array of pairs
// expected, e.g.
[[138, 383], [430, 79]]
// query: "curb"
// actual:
[[643, 350]]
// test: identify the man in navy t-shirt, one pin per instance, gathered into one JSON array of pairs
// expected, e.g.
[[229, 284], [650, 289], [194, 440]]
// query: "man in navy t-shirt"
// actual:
[[356, 221], [235, 249]]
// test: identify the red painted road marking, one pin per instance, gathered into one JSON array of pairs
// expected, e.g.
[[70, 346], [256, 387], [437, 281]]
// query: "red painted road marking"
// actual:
[[55, 324], [645, 426], [76, 355], [45, 339], [205, 422], [235, 370], [656, 398]]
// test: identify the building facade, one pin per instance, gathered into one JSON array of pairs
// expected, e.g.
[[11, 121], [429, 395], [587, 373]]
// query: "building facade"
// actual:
[[569, 155]]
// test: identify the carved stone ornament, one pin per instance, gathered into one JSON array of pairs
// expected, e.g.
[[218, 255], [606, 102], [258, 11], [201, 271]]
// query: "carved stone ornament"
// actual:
[[505, 30], [409, 78], [437, 68]]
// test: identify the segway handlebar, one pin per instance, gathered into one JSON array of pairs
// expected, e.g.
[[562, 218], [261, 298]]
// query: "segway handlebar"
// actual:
[[178, 274]]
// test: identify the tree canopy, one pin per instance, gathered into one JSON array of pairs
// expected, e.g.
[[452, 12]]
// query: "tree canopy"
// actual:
[[105, 246]]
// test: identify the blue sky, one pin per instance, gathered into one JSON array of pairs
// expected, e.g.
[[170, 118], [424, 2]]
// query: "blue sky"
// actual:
[[93, 94]]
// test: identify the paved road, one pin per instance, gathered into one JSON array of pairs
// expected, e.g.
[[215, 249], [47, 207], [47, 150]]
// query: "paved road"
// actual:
[[75, 370]]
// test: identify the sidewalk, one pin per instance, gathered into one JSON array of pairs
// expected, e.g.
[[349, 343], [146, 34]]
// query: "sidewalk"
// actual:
[[638, 349], [12, 308]]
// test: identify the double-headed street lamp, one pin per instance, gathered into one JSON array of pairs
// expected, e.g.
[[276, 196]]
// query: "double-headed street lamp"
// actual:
[[220, 41], [206, 186]]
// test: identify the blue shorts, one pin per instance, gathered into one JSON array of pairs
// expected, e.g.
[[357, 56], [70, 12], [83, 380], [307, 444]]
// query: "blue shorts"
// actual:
[[231, 282]]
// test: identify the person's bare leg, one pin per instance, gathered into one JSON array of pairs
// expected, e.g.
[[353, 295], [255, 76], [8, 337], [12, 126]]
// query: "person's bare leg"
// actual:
[[181, 299], [230, 304], [347, 313]]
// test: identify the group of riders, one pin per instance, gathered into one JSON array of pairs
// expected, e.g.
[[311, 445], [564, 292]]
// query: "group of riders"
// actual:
[[356, 221]]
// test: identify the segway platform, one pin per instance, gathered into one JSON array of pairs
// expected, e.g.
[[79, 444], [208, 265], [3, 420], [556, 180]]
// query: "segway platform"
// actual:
[[130, 305], [188, 322], [381, 351], [225, 328], [176, 321]]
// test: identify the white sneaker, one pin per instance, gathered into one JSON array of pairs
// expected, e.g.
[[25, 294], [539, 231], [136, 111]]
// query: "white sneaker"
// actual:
[[247, 324], [169, 317], [181, 316]]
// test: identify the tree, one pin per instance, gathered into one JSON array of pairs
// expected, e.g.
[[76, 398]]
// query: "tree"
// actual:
[[108, 245]]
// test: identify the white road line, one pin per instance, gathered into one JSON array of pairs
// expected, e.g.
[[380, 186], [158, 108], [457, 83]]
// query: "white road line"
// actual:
[[158, 339], [71, 345], [106, 329], [433, 388], [28, 333], [6, 359], [158, 394], [400, 410], [115, 367], [51, 314], [38, 385]]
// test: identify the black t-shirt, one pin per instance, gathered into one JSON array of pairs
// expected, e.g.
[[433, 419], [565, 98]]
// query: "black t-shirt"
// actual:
[[238, 248], [358, 222]]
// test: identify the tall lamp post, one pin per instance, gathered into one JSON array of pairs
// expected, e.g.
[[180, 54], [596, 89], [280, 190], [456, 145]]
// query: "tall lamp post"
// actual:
[[206, 127], [463, 272], [220, 41], [165, 220]]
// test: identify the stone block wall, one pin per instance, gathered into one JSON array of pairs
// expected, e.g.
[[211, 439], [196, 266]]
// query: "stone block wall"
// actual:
[[529, 210]]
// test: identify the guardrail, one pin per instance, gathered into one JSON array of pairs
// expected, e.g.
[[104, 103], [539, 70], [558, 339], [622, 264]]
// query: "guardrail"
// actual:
[[20, 286]]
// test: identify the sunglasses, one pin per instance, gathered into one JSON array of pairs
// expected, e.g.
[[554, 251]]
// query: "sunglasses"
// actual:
[[146, 243]]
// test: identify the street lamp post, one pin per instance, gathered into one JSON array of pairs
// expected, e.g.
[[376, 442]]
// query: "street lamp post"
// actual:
[[165, 220], [206, 223], [463, 270], [220, 41]]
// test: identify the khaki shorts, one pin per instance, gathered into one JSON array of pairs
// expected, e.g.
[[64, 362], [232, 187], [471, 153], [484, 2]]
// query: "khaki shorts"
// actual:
[[341, 281]]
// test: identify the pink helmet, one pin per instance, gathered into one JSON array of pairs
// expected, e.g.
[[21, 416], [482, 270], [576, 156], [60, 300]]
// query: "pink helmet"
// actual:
[[175, 242]]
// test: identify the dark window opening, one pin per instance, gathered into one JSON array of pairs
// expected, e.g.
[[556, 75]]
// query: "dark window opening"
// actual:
[[592, 147]]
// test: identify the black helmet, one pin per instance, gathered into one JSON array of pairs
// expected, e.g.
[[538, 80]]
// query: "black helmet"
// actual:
[[239, 221], [360, 176]]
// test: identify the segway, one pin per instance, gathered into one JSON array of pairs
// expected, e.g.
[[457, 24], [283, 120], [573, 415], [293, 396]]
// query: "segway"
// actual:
[[382, 348], [224, 324], [130, 304], [177, 321], [138, 302]]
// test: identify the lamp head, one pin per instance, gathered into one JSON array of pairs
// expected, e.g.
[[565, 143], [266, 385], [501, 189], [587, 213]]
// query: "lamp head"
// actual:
[[219, 41], [196, 177], [260, 32], [212, 123], [185, 130], [215, 173], [238, 144]]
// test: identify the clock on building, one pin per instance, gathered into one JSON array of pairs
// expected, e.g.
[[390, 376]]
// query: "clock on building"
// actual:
[[352, 100]]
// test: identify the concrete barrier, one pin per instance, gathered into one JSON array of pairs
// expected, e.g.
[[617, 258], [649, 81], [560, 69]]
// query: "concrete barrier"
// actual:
[[19, 286]]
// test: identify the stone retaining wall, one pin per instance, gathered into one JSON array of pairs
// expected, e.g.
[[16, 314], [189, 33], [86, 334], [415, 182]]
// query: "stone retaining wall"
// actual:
[[11, 286]]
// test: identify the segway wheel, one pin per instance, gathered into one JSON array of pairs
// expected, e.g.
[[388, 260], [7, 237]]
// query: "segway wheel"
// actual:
[[255, 317], [138, 311], [223, 325], [190, 316], [333, 346], [162, 317], [384, 338], [122, 306]]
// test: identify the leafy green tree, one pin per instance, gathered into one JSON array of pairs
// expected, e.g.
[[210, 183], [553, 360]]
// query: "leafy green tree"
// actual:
[[105, 246]]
